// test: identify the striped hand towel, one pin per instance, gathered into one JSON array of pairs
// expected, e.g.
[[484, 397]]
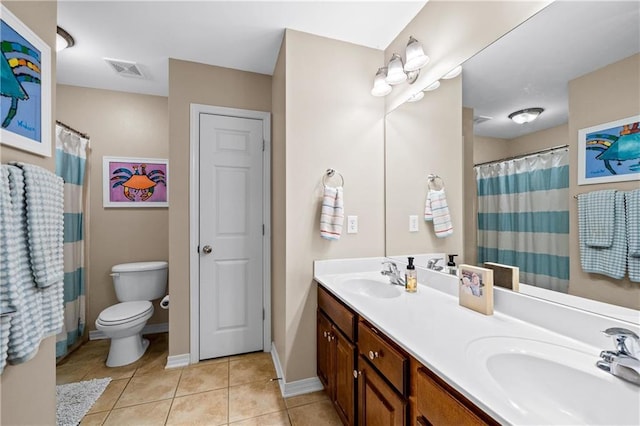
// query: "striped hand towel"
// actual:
[[332, 213], [632, 216], [599, 232], [610, 261], [428, 212], [437, 201]]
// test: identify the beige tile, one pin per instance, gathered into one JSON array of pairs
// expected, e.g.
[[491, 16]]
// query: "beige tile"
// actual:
[[250, 355], [209, 361], [109, 397], [154, 413], [152, 362], [70, 372], [95, 419], [307, 398], [151, 387], [99, 371], [204, 378], [281, 418], [254, 399], [207, 408], [317, 413], [251, 369]]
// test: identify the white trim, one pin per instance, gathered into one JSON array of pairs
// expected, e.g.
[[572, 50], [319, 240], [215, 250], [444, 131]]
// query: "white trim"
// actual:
[[177, 361], [148, 329], [298, 387], [194, 207]]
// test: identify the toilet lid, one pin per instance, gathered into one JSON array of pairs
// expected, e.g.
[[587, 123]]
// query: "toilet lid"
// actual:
[[125, 312]]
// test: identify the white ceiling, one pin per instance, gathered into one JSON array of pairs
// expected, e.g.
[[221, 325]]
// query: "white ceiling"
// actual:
[[532, 65], [234, 34]]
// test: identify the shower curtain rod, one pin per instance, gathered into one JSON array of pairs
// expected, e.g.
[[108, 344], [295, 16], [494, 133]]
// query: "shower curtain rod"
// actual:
[[522, 155], [66, 126]]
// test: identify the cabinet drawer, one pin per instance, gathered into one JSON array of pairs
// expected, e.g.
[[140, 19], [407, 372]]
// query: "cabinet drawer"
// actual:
[[391, 363], [439, 406], [341, 316]]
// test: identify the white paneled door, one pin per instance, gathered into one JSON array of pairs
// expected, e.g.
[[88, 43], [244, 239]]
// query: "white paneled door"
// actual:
[[231, 233]]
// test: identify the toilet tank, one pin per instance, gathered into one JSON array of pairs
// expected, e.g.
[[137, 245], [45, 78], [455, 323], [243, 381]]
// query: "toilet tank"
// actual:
[[140, 280]]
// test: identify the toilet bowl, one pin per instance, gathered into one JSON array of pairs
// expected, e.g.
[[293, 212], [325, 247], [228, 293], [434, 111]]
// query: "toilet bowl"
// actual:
[[136, 285]]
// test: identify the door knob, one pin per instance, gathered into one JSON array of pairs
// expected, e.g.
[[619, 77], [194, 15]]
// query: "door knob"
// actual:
[[207, 249]]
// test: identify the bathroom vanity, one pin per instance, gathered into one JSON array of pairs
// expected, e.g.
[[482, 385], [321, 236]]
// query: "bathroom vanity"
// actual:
[[390, 357]]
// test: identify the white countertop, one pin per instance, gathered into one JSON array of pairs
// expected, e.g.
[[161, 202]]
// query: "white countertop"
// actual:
[[433, 328]]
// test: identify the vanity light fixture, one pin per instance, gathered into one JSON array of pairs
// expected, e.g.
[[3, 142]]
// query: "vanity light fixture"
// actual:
[[416, 97], [432, 86], [397, 71], [453, 73], [63, 39], [526, 115], [380, 86]]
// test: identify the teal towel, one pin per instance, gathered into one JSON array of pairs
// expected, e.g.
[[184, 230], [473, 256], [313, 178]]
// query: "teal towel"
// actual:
[[610, 261], [598, 206], [632, 199]]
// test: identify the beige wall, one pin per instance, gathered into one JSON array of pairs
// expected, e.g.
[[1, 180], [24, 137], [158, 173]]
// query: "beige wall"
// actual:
[[424, 138], [28, 390], [278, 202], [608, 94], [538, 141], [190, 82], [489, 149], [330, 123], [122, 125], [453, 31]]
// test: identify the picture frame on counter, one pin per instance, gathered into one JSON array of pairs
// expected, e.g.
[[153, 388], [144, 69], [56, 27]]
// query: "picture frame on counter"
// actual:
[[475, 290]]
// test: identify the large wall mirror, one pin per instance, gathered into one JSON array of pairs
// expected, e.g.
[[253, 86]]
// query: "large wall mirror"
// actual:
[[571, 59]]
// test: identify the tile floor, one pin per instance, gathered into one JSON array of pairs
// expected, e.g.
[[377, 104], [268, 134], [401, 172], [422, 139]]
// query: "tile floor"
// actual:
[[228, 391]]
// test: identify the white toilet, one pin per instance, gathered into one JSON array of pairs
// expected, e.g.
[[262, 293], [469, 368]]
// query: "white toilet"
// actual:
[[136, 284]]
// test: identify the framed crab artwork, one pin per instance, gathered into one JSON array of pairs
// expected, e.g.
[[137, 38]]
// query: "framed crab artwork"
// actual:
[[135, 182], [609, 152], [25, 86]]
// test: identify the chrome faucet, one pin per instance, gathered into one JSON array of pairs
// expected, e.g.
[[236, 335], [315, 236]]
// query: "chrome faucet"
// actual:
[[623, 362], [391, 271], [432, 264]]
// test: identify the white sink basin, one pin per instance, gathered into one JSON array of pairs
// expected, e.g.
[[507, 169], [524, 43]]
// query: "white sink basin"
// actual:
[[375, 288], [553, 384]]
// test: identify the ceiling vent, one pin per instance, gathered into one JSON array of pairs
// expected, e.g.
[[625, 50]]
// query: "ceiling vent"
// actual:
[[481, 119], [125, 68]]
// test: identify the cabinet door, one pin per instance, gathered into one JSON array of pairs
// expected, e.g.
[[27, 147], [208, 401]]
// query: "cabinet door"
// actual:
[[325, 368], [345, 358], [378, 403]]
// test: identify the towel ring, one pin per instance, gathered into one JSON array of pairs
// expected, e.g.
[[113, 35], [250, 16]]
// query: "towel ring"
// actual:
[[433, 181], [329, 174]]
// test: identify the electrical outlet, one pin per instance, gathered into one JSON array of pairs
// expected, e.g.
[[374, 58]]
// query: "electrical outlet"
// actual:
[[413, 223], [352, 224]]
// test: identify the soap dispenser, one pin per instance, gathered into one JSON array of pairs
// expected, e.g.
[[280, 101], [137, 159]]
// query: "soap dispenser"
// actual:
[[451, 265], [411, 277]]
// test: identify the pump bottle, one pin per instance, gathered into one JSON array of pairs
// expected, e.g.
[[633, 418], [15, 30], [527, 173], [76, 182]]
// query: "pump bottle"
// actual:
[[411, 277]]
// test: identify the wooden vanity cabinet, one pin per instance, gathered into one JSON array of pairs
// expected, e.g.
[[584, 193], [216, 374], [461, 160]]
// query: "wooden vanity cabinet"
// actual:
[[434, 402], [378, 402], [337, 354]]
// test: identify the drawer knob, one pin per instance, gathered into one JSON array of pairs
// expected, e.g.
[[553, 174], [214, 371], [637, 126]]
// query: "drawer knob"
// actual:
[[325, 334], [373, 355], [356, 374]]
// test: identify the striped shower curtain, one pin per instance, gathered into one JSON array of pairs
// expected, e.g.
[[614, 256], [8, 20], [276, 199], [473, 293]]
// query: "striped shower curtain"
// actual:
[[71, 156], [523, 217]]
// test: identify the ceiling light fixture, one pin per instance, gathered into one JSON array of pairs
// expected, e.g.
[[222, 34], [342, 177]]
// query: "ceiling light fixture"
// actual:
[[453, 73], [397, 71], [63, 39], [526, 115]]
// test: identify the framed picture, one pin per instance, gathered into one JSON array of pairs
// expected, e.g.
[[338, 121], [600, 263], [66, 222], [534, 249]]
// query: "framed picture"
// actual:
[[25, 74], [135, 182], [475, 290], [609, 152]]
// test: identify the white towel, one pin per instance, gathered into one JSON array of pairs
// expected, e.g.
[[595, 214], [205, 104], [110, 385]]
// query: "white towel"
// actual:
[[599, 226], [632, 217], [437, 210], [44, 193], [610, 261], [332, 213]]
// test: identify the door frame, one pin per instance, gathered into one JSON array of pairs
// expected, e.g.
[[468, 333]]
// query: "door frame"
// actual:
[[194, 220]]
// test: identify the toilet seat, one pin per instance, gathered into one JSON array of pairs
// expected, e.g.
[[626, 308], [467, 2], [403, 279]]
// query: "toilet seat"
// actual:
[[125, 312]]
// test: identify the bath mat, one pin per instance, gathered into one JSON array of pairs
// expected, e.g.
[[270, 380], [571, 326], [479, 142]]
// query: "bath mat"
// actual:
[[75, 399]]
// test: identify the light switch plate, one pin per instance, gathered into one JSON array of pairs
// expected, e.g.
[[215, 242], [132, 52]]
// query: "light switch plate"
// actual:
[[413, 223], [352, 224]]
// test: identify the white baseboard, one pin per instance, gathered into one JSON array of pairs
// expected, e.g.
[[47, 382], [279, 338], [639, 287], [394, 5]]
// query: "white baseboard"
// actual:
[[298, 387], [148, 329], [178, 361]]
